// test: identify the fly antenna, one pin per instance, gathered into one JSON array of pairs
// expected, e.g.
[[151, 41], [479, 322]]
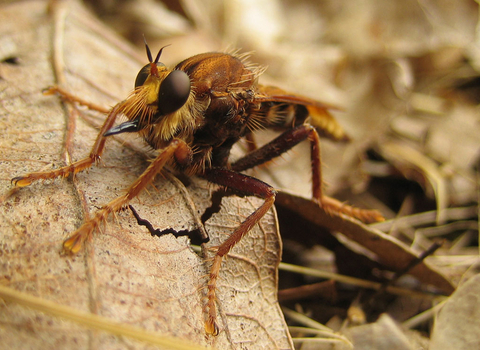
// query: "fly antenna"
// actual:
[[160, 53], [153, 64], [149, 53]]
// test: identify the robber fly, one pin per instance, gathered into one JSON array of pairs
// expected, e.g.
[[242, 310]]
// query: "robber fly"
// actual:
[[193, 114]]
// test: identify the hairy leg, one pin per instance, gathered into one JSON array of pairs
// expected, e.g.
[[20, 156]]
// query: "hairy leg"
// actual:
[[178, 147], [285, 142], [83, 164], [249, 186]]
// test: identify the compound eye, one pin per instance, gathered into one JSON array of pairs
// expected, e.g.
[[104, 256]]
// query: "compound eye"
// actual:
[[144, 72], [174, 92], [142, 75]]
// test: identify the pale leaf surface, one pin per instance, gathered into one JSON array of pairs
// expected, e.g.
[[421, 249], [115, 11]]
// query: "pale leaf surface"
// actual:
[[457, 323]]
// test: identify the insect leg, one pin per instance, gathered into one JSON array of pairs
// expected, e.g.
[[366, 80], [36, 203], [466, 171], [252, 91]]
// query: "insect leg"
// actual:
[[78, 166], [285, 142], [274, 148], [282, 144], [67, 96], [178, 147], [245, 185]]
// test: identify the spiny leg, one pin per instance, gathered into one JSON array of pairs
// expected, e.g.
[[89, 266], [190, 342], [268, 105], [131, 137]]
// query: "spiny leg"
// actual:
[[245, 185], [178, 147], [285, 142], [67, 96], [78, 166], [328, 204]]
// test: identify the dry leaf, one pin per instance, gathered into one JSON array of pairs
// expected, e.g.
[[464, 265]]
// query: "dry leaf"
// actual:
[[124, 273], [394, 67], [382, 334], [387, 250], [457, 323]]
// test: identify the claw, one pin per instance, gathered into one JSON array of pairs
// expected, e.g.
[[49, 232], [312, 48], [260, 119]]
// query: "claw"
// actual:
[[211, 327], [51, 90], [21, 181], [74, 243], [331, 205]]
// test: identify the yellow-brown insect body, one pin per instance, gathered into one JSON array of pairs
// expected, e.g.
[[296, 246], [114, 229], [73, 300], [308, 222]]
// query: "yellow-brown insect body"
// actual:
[[224, 104], [217, 112], [157, 127], [225, 87]]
